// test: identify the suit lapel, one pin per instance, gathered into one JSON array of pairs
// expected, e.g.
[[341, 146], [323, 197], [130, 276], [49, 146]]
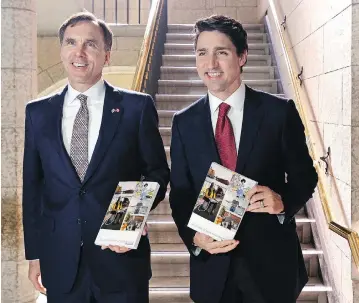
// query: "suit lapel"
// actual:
[[54, 131], [209, 142], [111, 117], [252, 118]]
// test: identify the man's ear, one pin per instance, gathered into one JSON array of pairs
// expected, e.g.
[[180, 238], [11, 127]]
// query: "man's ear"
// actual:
[[243, 58], [107, 58]]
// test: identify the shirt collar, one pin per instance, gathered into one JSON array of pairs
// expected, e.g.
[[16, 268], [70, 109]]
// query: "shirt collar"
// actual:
[[93, 93], [236, 100]]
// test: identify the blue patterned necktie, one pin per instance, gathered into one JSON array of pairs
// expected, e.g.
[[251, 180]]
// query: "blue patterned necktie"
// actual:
[[79, 139]]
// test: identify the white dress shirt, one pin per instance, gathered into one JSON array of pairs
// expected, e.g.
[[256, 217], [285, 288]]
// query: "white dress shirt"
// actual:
[[235, 114], [95, 101]]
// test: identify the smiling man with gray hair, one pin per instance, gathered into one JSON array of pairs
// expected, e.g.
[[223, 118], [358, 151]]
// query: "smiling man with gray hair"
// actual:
[[79, 144]]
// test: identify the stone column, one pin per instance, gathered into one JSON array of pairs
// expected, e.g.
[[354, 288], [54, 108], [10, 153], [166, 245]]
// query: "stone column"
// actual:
[[354, 84], [18, 81]]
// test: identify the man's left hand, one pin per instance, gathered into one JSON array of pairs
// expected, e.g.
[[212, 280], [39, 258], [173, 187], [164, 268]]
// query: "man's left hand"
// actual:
[[122, 249], [264, 200]]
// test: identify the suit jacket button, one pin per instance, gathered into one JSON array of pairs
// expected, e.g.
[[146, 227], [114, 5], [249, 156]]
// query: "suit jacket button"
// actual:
[[82, 192], [78, 221]]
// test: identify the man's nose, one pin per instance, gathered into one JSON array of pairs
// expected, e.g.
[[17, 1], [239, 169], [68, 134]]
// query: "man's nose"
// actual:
[[212, 62], [80, 48]]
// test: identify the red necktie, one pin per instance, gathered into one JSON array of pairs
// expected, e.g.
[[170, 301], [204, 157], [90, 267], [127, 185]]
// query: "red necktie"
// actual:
[[225, 140]]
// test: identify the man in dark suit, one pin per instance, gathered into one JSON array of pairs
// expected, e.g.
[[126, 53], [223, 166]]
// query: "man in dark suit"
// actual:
[[255, 134], [79, 144]]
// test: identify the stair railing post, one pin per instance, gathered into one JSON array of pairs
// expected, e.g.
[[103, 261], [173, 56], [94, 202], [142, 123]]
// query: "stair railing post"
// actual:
[[116, 12]]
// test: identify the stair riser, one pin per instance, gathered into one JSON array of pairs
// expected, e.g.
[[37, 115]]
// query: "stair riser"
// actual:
[[168, 297], [165, 121], [194, 76], [173, 98], [202, 90], [162, 209], [191, 62], [174, 105], [312, 265], [165, 237], [304, 233], [170, 270], [166, 139], [155, 228], [173, 51]]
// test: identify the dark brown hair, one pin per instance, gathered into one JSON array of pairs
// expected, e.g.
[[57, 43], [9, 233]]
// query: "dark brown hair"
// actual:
[[226, 25]]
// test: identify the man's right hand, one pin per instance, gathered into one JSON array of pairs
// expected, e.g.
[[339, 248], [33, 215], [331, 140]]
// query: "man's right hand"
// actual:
[[35, 275], [214, 247]]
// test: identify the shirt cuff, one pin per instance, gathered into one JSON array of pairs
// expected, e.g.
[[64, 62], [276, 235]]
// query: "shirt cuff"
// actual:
[[281, 217], [196, 250]]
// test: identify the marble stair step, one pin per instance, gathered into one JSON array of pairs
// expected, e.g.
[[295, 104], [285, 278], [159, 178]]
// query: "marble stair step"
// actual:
[[176, 289], [167, 150], [197, 86], [190, 60], [188, 48], [188, 38], [188, 28], [175, 102], [165, 134], [163, 208], [165, 117], [190, 73]]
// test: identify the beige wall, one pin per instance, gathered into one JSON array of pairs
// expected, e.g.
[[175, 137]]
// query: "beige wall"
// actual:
[[188, 11], [321, 39], [121, 76], [125, 51], [50, 14]]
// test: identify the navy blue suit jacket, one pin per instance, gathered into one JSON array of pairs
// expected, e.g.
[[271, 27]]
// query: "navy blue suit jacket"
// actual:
[[59, 211], [272, 144]]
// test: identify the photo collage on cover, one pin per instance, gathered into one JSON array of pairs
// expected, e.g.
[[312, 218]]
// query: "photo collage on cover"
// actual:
[[129, 206], [222, 198]]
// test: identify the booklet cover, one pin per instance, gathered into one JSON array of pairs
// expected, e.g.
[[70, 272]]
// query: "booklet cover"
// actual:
[[221, 203], [127, 214]]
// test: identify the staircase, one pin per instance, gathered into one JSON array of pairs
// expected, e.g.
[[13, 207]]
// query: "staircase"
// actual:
[[178, 87]]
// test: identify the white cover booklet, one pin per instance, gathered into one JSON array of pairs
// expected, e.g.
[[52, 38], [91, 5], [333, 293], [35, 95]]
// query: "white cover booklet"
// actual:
[[221, 203], [127, 214]]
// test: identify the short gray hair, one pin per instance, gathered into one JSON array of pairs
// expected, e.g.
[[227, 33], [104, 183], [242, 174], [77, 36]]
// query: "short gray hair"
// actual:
[[86, 16]]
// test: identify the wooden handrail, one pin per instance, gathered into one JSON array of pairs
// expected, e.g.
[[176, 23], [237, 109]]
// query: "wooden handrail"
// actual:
[[314, 136], [147, 43]]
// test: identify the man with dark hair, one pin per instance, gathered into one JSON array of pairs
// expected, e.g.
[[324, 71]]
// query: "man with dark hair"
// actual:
[[74, 158], [255, 134]]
